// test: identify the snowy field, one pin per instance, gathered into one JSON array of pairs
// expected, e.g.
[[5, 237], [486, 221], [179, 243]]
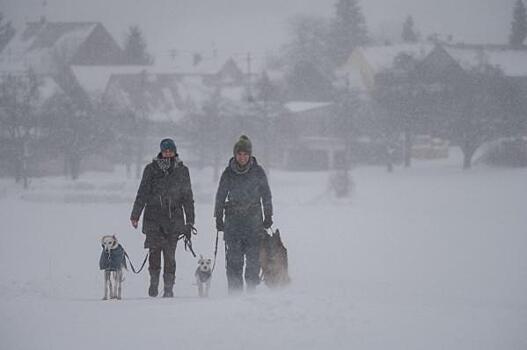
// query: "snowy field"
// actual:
[[426, 258]]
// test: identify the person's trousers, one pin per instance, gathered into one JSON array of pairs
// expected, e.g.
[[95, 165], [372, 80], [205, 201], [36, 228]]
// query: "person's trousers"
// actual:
[[237, 251], [169, 263]]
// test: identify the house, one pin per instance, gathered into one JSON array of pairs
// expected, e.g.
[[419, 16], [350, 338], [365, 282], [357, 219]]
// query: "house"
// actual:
[[154, 95], [448, 62], [310, 131], [359, 71], [52, 48], [165, 93], [42, 45]]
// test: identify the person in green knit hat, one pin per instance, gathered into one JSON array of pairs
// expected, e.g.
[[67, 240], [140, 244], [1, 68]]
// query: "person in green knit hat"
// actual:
[[243, 208]]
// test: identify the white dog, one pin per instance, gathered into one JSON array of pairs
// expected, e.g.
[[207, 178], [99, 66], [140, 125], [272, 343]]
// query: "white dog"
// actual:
[[112, 261], [203, 276]]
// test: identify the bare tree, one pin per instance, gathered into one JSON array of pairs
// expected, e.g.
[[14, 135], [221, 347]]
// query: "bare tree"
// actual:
[[519, 24], [477, 109], [75, 132], [19, 99], [6, 32]]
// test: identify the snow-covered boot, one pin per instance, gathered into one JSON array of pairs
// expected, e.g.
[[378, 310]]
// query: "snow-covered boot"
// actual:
[[154, 283], [168, 280]]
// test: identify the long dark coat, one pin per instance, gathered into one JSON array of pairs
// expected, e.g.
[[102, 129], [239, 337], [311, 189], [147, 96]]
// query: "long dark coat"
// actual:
[[167, 200], [241, 196]]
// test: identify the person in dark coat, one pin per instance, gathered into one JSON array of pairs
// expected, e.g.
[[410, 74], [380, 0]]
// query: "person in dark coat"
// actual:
[[165, 194], [243, 193]]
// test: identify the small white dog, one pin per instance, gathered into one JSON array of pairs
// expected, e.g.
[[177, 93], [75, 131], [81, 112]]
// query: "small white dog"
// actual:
[[203, 276], [113, 262]]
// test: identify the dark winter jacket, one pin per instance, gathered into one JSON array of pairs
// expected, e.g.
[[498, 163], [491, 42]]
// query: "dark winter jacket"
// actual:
[[112, 259], [243, 193], [166, 196]]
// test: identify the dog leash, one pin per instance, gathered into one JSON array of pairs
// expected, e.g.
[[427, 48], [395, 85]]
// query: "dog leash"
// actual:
[[188, 241], [215, 250], [132, 265]]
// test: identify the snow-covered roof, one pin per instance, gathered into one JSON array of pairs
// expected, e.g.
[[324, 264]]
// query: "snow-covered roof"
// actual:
[[302, 106], [193, 90], [275, 74], [94, 79], [43, 35], [45, 38], [359, 71], [48, 88], [187, 63], [513, 62], [41, 45], [155, 95], [208, 62], [382, 57]]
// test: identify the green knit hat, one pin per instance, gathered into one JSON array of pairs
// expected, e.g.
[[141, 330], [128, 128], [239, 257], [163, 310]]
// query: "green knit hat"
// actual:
[[243, 145]]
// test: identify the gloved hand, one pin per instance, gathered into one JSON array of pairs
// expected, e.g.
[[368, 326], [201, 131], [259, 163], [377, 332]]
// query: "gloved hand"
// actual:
[[189, 230], [268, 222], [220, 226]]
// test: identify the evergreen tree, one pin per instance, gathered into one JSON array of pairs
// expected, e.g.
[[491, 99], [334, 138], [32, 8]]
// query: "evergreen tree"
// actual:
[[409, 35], [135, 47], [309, 66], [519, 24], [309, 43], [348, 29], [6, 32]]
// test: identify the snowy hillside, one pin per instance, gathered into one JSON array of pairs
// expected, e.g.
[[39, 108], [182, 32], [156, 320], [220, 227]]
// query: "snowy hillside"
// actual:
[[426, 258]]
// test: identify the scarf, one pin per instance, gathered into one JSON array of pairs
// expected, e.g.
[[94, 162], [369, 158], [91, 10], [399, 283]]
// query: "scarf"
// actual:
[[165, 164], [238, 169]]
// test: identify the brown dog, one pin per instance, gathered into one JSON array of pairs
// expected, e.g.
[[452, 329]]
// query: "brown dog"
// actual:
[[273, 260]]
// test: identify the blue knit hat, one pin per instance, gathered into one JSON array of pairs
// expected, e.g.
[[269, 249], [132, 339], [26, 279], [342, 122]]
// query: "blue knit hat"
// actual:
[[168, 144]]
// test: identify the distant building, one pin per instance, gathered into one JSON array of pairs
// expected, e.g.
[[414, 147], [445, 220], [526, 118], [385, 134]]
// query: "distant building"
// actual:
[[52, 48], [359, 71], [310, 131], [153, 95], [42, 45], [512, 62]]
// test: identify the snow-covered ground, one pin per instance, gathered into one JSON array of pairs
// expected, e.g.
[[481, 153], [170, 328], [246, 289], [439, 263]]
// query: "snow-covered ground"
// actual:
[[426, 258]]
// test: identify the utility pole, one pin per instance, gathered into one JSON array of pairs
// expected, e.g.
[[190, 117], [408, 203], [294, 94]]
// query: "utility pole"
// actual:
[[249, 92]]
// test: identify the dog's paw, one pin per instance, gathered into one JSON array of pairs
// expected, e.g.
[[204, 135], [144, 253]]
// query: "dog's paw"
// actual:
[[105, 298]]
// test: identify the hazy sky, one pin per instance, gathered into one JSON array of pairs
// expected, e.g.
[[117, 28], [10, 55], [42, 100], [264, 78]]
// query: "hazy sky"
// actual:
[[260, 25]]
